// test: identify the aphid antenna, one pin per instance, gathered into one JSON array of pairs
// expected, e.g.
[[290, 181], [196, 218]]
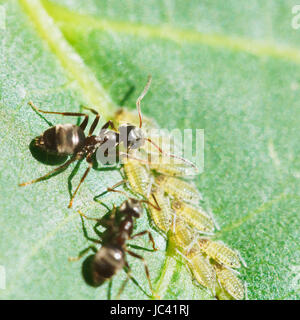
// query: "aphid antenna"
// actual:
[[133, 158], [197, 284], [183, 256], [241, 258], [170, 154]]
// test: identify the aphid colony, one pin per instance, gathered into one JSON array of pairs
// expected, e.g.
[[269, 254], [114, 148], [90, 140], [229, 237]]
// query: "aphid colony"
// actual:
[[172, 201]]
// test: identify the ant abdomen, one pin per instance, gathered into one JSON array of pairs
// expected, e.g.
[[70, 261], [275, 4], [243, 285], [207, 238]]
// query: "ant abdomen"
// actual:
[[62, 139], [106, 263]]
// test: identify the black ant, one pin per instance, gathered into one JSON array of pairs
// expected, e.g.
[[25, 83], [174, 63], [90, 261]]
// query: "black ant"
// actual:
[[70, 139], [111, 257]]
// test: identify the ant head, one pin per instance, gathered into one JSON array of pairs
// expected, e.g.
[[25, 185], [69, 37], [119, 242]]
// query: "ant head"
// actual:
[[131, 136], [133, 207]]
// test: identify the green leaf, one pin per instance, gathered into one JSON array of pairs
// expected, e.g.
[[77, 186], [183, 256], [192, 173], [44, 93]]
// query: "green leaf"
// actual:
[[232, 70]]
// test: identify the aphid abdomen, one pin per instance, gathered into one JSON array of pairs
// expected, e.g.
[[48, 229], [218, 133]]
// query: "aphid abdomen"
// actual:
[[64, 139], [179, 189], [170, 168], [193, 216], [107, 262], [182, 235], [202, 270], [230, 282], [137, 176], [220, 253], [162, 218]]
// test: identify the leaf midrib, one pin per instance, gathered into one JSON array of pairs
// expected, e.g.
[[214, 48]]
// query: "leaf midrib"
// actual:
[[68, 19]]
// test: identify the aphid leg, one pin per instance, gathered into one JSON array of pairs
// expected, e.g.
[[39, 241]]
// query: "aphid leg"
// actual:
[[81, 180], [139, 99], [174, 222], [232, 270], [150, 187], [128, 272], [95, 122], [63, 166], [133, 254], [213, 219], [190, 246], [182, 255], [82, 253], [72, 114], [241, 258], [149, 235], [246, 290]]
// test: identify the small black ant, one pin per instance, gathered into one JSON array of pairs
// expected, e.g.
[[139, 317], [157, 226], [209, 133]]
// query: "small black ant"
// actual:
[[111, 257]]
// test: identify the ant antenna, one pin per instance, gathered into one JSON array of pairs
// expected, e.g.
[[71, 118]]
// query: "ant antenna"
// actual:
[[169, 154], [139, 99], [144, 201]]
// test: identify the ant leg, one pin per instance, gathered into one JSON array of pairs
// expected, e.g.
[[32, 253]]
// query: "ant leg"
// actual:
[[65, 165], [85, 233], [82, 253], [108, 124], [149, 235], [81, 180], [86, 217], [128, 272], [95, 122], [133, 254], [118, 184], [72, 114]]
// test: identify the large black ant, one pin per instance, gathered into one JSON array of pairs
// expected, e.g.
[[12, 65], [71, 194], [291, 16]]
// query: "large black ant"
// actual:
[[111, 257], [70, 139]]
